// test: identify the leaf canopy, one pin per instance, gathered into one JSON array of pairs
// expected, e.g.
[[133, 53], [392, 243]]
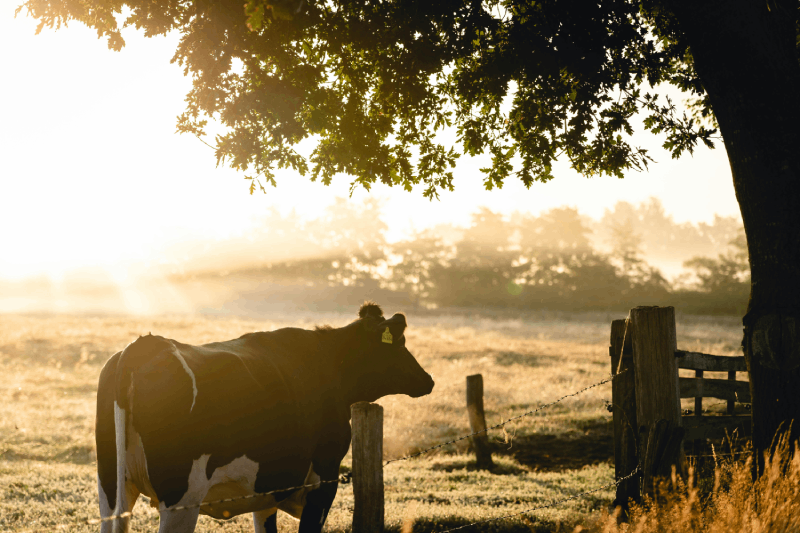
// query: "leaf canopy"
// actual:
[[376, 83]]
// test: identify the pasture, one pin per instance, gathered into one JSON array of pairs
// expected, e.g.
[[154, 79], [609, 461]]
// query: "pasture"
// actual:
[[48, 375]]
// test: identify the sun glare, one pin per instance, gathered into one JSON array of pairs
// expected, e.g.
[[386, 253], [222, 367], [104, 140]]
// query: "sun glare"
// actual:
[[95, 177]]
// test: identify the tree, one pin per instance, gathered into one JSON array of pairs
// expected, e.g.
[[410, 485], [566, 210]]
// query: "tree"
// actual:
[[665, 240], [626, 253], [525, 81], [728, 273], [557, 230], [559, 265], [481, 273], [421, 262]]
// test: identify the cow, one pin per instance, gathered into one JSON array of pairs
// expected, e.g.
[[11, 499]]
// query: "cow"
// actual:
[[242, 420]]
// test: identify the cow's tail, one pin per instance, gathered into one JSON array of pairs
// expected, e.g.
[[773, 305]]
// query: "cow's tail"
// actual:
[[132, 358], [105, 438]]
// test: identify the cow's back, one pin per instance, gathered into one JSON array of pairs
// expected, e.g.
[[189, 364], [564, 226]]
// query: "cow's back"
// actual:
[[259, 396]]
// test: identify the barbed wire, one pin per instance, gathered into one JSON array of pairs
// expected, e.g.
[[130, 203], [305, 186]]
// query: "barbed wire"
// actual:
[[343, 479], [346, 477], [504, 422], [550, 504]]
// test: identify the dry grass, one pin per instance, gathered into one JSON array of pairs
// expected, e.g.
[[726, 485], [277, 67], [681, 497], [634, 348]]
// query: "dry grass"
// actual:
[[734, 503], [49, 367]]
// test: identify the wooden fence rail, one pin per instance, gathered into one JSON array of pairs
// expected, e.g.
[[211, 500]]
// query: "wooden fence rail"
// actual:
[[714, 388], [730, 389]]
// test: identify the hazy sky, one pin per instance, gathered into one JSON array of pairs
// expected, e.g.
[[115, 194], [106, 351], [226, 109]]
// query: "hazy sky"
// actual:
[[92, 172]]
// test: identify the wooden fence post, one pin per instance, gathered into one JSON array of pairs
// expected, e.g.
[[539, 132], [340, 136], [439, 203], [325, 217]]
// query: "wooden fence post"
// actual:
[[368, 508], [623, 399], [658, 407], [477, 422]]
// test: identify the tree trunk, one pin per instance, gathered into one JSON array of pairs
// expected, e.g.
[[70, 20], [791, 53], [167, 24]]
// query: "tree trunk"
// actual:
[[746, 56]]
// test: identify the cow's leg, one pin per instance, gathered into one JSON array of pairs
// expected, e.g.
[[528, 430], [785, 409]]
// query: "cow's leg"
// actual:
[[183, 521], [105, 508], [266, 521], [318, 504], [118, 525]]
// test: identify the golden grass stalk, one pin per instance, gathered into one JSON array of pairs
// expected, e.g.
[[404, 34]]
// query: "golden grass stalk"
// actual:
[[735, 503]]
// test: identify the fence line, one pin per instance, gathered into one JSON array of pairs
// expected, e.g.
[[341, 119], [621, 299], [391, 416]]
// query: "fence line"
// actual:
[[504, 422], [341, 479], [345, 479]]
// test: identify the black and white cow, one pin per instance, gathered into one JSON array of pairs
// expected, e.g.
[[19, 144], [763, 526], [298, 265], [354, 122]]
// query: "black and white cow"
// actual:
[[187, 424]]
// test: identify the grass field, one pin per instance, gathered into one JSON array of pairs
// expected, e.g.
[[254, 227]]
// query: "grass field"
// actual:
[[48, 374]]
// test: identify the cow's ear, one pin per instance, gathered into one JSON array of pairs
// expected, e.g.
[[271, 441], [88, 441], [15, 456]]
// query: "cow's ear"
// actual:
[[396, 326], [370, 309]]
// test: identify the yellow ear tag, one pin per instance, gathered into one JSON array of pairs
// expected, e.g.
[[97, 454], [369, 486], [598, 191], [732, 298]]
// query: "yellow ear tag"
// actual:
[[387, 336]]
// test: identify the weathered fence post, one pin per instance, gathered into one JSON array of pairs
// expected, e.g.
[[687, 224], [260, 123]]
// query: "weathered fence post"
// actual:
[[368, 508], [623, 399], [658, 407], [477, 422]]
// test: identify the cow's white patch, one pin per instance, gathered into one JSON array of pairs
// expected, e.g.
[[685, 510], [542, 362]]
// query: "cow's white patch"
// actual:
[[126, 490], [231, 490], [234, 482], [191, 375], [260, 519], [105, 505], [241, 471], [198, 484], [119, 431]]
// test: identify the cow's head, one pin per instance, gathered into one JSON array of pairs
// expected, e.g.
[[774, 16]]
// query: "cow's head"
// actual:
[[379, 364]]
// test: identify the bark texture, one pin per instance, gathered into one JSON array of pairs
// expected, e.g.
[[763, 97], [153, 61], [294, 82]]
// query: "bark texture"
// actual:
[[746, 55]]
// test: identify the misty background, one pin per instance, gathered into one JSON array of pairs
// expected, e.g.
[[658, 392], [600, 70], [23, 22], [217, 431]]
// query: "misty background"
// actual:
[[105, 209], [561, 259]]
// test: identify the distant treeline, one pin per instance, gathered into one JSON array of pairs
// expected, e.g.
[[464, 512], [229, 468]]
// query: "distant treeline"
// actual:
[[559, 260]]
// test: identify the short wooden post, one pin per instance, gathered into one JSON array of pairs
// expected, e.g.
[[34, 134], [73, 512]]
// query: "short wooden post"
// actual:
[[654, 343], [731, 403], [368, 508], [477, 422], [623, 399], [698, 400]]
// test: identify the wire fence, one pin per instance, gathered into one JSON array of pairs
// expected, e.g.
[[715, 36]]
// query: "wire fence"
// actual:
[[504, 422], [345, 478], [341, 479]]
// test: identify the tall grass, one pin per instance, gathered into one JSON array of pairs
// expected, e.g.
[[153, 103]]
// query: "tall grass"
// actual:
[[735, 503]]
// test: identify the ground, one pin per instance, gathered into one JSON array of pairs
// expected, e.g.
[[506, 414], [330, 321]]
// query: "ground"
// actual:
[[49, 367]]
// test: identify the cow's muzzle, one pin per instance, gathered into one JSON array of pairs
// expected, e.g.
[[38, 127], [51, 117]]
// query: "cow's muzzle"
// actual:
[[425, 387]]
